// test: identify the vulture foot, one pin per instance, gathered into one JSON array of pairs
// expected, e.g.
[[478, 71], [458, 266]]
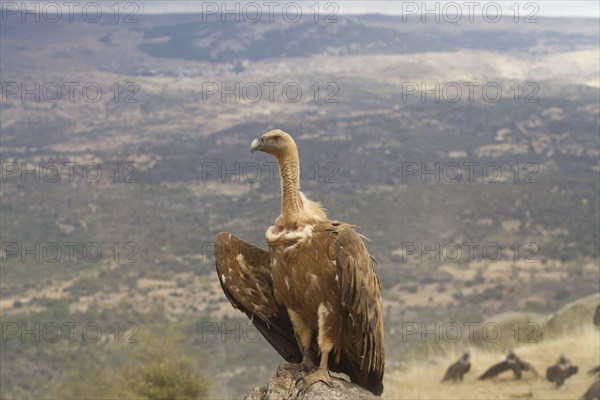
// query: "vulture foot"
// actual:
[[304, 366], [320, 375]]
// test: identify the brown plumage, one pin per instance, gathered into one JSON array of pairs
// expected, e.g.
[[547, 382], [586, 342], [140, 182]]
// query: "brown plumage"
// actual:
[[513, 363], [314, 295], [597, 316], [593, 392], [561, 371], [457, 371]]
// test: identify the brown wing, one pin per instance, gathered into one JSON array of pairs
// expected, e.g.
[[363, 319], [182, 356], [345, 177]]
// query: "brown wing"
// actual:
[[525, 366], [551, 373], [361, 296], [593, 393], [456, 370], [245, 275], [558, 375], [496, 370], [571, 371], [450, 372]]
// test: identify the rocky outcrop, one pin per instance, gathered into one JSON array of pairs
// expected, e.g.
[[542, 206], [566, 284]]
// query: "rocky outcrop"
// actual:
[[282, 386]]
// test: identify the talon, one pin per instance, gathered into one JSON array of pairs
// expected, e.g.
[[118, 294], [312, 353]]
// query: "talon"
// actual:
[[317, 376]]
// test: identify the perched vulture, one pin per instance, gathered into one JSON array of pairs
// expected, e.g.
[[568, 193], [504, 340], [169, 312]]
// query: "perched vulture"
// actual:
[[513, 363], [593, 393], [559, 372], [314, 294], [457, 370]]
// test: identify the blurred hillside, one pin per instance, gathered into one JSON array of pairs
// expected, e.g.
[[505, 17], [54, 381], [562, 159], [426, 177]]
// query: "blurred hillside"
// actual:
[[567, 331], [165, 143]]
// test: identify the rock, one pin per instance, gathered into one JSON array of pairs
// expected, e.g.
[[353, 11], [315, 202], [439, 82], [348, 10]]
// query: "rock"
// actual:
[[282, 386]]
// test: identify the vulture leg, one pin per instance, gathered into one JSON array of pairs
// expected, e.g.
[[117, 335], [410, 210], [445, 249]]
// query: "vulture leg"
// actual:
[[325, 340], [320, 375], [303, 336]]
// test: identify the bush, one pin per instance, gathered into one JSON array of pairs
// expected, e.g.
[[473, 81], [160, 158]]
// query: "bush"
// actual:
[[158, 370], [162, 373]]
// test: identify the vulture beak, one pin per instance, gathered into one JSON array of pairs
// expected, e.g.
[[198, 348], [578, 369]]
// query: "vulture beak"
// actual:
[[256, 145]]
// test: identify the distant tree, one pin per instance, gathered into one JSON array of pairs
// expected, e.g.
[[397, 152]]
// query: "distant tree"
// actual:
[[162, 372], [158, 370]]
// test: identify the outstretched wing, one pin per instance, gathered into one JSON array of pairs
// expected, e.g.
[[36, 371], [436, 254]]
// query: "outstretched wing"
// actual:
[[495, 370], [593, 393], [361, 296], [245, 275], [529, 367], [572, 370]]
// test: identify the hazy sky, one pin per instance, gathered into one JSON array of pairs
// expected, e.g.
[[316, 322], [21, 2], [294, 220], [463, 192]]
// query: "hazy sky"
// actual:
[[444, 8], [553, 8]]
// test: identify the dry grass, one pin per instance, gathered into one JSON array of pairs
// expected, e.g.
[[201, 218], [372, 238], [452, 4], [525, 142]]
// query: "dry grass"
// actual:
[[422, 380]]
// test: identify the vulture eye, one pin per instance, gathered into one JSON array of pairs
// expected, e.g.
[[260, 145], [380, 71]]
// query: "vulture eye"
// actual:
[[276, 137]]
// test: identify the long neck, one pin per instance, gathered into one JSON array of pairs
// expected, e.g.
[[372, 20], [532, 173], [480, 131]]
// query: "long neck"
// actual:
[[291, 202]]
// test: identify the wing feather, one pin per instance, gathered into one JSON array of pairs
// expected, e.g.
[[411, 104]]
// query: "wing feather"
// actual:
[[529, 367], [495, 370], [245, 276], [361, 296]]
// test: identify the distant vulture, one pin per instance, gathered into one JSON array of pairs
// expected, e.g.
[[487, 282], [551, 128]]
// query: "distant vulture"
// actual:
[[314, 294], [456, 371], [593, 393], [559, 372], [513, 363], [597, 316]]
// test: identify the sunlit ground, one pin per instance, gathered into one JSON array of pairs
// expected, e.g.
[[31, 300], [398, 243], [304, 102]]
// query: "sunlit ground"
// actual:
[[422, 380]]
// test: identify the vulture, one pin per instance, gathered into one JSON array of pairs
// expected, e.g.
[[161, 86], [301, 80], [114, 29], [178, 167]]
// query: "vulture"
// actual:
[[559, 372], [314, 295], [593, 393], [513, 363], [456, 371]]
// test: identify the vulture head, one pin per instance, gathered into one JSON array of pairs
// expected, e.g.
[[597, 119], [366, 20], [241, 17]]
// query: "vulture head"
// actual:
[[296, 210], [277, 143]]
